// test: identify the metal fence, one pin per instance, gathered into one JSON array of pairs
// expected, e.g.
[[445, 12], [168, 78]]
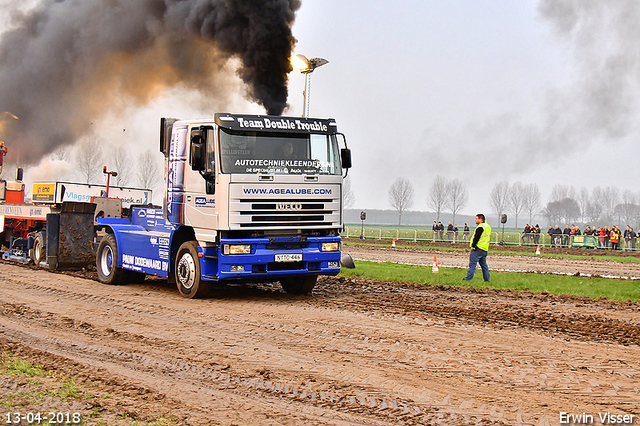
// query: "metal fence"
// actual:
[[497, 237]]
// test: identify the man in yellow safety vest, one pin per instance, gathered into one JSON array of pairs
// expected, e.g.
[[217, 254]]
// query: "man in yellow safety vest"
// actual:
[[479, 247]]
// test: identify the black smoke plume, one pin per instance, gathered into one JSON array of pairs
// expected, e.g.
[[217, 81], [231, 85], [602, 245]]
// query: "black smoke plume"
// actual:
[[66, 63]]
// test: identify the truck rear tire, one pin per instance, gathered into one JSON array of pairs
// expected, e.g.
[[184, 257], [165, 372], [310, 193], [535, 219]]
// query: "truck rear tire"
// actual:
[[38, 252], [299, 285], [106, 261], [187, 270]]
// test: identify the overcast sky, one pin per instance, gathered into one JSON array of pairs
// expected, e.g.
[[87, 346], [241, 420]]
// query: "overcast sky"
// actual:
[[530, 91], [533, 91]]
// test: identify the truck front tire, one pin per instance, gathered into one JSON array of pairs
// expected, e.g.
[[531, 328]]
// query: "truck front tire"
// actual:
[[187, 270], [299, 285], [107, 261]]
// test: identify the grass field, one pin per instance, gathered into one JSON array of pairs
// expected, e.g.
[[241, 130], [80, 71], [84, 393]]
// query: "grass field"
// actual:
[[614, 289]]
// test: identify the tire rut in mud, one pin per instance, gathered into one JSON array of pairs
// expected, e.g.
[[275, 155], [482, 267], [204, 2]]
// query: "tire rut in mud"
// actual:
[[75, 337], [61, 347], [572, 316], [554, 314]]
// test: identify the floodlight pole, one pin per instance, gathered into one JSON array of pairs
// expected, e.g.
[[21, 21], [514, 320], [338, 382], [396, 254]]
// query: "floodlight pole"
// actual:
[[304, 93], [309, 66]]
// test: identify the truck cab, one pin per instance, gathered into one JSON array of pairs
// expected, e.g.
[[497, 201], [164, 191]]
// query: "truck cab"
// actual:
[[247, 198]]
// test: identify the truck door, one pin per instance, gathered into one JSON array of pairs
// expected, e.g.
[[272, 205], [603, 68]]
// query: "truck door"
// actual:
[[201, 210]]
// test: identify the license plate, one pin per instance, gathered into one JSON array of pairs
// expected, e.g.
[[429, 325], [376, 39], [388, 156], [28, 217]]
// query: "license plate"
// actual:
[[289, 257]]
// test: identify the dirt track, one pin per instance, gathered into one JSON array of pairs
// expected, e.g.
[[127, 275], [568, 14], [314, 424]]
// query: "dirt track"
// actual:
[[356, 352]]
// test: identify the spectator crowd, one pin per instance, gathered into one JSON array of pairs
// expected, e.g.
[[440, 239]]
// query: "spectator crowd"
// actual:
[[452, 232], [607, 237]]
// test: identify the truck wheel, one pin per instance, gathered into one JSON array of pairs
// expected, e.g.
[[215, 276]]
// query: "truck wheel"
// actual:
[[187, 270], [106, 261], [38, 252], [299, 285]]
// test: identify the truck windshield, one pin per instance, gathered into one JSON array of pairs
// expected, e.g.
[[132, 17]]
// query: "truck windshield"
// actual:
[[279, 153]]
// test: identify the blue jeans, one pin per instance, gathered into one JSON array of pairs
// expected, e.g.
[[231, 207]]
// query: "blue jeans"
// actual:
[[478, 256]]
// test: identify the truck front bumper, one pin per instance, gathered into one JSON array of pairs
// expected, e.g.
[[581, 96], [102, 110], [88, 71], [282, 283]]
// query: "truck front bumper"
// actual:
[[267, 258]]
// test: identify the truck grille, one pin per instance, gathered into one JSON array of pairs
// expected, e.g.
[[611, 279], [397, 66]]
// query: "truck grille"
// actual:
[[279, 213]]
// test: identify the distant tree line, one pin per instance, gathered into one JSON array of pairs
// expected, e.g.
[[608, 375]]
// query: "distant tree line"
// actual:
[[517, 199], [566, 205], [91, 156], [603, 206], [443, 195]]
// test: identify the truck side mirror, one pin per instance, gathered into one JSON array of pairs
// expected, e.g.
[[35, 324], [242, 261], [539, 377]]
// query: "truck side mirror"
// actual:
[[166, 127], [345, 156], [198, 155]]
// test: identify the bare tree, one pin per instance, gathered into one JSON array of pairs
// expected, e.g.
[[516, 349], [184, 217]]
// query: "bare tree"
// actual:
[[88, 159], [401, 196], [60, 164], [628, 208], [532, 200], [516, 199], [122, 165], [566, 209], [610, 199], [147, 170], [498, 198], [61, 153], [567, 205], [457, 197], [553, 211], [347, 194], [593, 213], [583, 202], [570, 209], [438, 195], [560, 192], [595, 208]]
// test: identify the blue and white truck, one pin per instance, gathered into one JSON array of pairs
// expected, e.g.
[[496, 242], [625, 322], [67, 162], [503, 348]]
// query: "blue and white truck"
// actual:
[[248, 198]]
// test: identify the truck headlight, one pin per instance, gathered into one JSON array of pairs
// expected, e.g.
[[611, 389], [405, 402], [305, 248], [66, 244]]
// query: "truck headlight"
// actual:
[[335, 246], [236, 249]]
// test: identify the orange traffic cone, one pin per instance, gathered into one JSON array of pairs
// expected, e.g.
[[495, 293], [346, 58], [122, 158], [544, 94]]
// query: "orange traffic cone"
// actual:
[[434, 268], [538, 249], [393, 243]]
